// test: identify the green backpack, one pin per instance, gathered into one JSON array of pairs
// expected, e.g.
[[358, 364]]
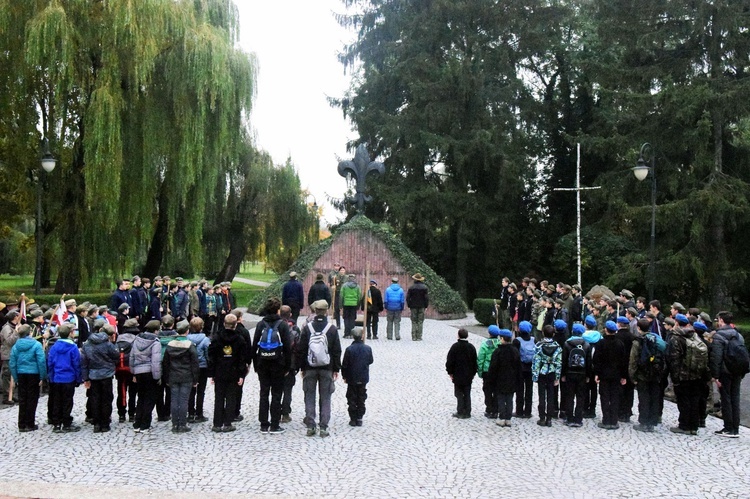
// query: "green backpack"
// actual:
[[696, 357]]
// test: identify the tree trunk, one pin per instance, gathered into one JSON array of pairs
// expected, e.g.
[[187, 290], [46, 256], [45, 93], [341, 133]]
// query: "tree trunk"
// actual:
[[237, 252], [159, 241]]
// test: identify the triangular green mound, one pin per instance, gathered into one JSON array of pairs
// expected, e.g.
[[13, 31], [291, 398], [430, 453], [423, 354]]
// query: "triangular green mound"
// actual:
[[442, 297]]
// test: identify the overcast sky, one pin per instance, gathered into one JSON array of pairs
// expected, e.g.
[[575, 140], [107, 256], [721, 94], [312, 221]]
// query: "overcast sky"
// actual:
[[296, 42]]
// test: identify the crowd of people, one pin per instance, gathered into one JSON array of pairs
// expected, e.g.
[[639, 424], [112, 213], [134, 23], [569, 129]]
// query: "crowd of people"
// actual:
[[579, 349]]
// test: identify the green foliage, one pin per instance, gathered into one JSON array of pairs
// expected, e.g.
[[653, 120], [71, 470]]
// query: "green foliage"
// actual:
[[485, 311], [442, 297]]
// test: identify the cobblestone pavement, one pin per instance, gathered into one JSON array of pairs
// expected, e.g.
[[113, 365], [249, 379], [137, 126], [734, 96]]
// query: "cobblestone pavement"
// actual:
[[409, 446]]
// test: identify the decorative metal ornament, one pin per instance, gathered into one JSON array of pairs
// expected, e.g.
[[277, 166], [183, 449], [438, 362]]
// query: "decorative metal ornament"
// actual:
[[359, 167]]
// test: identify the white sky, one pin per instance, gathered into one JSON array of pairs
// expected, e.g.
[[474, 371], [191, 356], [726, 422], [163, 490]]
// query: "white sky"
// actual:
[[296, 42]]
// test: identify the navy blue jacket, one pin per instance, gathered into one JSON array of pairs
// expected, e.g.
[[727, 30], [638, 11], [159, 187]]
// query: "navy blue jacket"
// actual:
[[99, 357], [118, 298], [292, 294], [356, 365]]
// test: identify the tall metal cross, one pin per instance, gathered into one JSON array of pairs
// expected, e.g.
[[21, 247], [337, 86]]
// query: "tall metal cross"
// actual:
[[359, 167], [578, 190]]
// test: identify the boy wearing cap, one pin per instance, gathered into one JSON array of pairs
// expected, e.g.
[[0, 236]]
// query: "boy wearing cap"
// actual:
[[504, 375], [126, 389], [592, 337], [546, 371], [28, 368], [417, 300], [355, 371], [576, 372], [64, 371], [610, 370], [99, 357], [394, 305], [646, 374], [483, 364], [181, 373], [526, 346], [461, 366], [688, 366], [293, 295]]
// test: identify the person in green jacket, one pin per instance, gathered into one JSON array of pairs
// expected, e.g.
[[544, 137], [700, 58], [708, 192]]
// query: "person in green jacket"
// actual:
[[483, 365], [350, 297]]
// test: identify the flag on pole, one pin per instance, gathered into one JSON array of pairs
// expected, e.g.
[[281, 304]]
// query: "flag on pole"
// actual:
[[62, 313], [23, 308]]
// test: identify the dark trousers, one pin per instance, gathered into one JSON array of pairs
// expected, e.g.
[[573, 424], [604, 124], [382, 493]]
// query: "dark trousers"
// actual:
[[28, 398], [664, 385], [179, 408], [198, 394], [350, 318], [547, 395], [592, 393], [524, 394], [627, 397], [463, 399], [163, 401], [703, 394], [372, 323], [688, 397], [730, 401], [61, 403], [126, 395], [101, 401], [337, 312], [609, 391], [238, 403], [147, 392], [286, 397], [356, 394], [649, 394], [271, 387], [210, 324], [575, 387], [490, 400], [225, 405], [504, 406]]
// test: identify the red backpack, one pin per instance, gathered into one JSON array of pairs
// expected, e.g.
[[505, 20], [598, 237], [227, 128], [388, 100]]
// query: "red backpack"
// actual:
[[123, 363]]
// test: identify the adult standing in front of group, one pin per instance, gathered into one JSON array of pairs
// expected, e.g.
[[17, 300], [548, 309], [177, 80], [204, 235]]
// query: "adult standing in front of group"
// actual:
[[318, 291], [394, 305], [374, 304], [727, 372], [293, 295], [319, 358], [417, 301], [351, 294]]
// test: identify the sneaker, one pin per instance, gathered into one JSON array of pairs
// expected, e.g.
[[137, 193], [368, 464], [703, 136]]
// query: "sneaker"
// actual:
[[90, 420], [613, 427], [352, 422], [184, 429], [191, 418], [643, 428], [57, 429], [679, 431], [71, 429], [727, 433], [501, 422], [228, 428], [276, 431], [200, 419], [136, 429], [145, 430], [264, 429], [286, 419], [324, 432], [311, 432], [602, 426], [359, 422], [238, 418], [97, 429], [456, 415], [576, 425], [104, 429], [542, 422], [216, 429], [375, 337], [548, 422], [175, 429], [9, 402]]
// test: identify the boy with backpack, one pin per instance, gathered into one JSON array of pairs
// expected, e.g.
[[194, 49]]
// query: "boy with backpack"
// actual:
[[576, 372], [272, 351], [126, 389], [688, 366], [546, 371], [628, 389], [180, 372], [461, 366], [291, 377], [729, 363], [319, 360], [646, 369], [483, 364], [610, 370], [526, 346], [505, 375], [355, 371]]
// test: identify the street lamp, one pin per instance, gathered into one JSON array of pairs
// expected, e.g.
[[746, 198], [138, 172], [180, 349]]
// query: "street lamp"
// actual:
[[48, 163], [641, 171]]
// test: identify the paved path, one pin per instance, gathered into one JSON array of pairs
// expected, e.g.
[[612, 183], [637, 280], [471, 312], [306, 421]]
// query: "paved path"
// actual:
[[252, 282], [409, 446]]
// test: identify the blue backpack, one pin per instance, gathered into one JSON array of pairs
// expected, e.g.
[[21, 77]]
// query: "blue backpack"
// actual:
[[528, 348], [270, 346]]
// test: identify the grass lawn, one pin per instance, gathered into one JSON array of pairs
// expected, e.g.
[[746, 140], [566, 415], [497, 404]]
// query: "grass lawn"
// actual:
[[255, 272]]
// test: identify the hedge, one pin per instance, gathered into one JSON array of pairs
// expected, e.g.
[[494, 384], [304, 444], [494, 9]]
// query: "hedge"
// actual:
[[484, 311], [445, 299]]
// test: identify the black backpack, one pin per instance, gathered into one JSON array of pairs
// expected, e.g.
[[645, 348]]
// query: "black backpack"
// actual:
[[577, 360], [736, 357]]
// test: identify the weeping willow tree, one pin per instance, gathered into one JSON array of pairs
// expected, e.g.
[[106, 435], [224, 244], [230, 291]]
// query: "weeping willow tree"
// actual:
[[143, 103]]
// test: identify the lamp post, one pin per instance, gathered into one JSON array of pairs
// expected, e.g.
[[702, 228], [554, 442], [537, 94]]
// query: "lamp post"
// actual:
[[641, 171], [48, 163]]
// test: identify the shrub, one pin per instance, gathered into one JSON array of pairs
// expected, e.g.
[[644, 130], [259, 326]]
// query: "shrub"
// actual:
[[484, 311]]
